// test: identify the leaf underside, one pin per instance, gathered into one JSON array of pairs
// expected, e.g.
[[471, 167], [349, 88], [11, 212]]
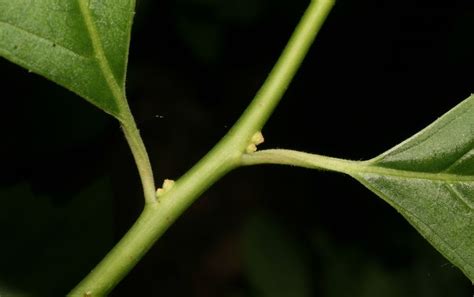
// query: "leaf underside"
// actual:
[[53, 38], [430, 181], [430, 177]]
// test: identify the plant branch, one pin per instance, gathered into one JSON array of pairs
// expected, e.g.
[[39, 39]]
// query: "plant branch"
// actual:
[[225, 156], [314, 161], [269, 95]]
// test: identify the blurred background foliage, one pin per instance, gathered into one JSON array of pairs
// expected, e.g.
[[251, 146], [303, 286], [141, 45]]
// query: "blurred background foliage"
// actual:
[[379, 72]]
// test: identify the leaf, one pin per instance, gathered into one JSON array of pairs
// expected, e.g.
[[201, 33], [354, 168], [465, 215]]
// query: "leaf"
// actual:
[[429, 179], [79, 44]]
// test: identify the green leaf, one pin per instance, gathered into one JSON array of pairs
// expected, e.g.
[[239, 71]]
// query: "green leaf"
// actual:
[[79, 44], [429, 179]]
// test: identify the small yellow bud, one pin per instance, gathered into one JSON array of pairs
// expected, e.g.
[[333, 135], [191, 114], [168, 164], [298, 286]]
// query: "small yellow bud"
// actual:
[[251, 148], [159, 192], [257, 138], [167, 185]]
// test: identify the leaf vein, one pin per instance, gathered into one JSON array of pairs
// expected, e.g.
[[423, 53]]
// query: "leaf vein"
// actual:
[[43, 39], [459, 196], [459, 160], [100, 56], [446, 177]]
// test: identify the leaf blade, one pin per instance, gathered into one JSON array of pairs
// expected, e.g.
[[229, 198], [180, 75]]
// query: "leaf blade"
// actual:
[[447, 224], [441, 209], [51, 38], [439, 146]]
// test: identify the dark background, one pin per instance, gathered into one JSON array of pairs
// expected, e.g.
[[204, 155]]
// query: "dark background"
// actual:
[[379, 72]]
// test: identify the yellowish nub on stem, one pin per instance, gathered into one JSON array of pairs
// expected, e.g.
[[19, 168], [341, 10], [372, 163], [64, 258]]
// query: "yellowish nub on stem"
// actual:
[[167, 185], [256, 139]]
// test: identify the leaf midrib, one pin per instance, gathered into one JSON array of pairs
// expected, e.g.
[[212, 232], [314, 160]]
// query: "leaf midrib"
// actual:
[[434, 176], [100, 56]]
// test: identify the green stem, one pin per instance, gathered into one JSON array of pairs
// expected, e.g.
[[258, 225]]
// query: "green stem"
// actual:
[[301, 159], [135, 142], [225, 156], [269, 95]]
